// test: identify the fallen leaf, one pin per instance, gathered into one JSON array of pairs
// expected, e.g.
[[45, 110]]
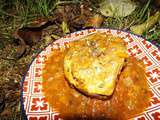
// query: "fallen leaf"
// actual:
[[37, 23], [6, 112], [94, 21], [55, 36], [65, 28], [117, 8], [140, 29], [20, 51], [21, 47], [29, 36]]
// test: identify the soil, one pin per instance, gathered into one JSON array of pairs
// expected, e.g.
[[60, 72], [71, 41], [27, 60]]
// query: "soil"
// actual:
[[18, 46]]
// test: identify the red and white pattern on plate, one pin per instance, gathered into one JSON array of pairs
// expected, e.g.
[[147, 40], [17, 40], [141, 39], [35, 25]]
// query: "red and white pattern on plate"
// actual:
[[37, 107]]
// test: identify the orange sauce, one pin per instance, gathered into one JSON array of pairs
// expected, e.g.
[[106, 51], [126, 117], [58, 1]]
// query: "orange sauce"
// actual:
[[130, 97]]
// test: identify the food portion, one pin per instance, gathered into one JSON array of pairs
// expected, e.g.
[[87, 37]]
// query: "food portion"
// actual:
[[93, 63], [129, 92], [132, 90]]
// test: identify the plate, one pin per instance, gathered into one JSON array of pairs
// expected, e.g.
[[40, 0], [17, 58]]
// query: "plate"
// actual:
[[34, 103]]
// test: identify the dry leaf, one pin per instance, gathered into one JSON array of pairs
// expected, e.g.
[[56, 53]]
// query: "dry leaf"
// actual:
[[140, 29], [117, 8], [94, 21], [65, 28]]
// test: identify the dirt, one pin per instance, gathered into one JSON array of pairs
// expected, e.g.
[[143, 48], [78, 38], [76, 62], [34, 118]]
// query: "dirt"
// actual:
[[19, 45]]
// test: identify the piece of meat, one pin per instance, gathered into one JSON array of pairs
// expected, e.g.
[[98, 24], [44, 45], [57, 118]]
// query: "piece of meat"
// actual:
[[93, 63]]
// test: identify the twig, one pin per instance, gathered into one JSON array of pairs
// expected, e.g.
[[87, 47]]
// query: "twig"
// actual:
[[132, 23], [8, 58], [67, 2], [8, 14], [144, 9]]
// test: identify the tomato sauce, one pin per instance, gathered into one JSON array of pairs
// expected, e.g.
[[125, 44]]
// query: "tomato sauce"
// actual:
[[131, 95]]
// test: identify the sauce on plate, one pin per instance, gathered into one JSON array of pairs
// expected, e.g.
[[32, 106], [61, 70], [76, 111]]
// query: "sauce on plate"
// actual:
[[131, 95]]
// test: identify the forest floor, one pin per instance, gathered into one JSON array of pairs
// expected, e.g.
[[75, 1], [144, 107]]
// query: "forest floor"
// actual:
[[26, 27]]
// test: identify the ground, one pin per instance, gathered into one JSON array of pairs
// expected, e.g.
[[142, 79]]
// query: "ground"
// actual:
[[26, 27]]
